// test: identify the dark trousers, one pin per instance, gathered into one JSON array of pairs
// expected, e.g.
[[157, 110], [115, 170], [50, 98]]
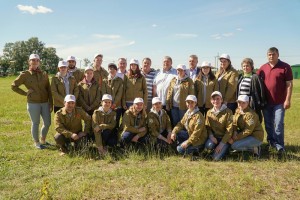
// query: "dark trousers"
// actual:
[[55, 109], [62, 142], [109, 137]]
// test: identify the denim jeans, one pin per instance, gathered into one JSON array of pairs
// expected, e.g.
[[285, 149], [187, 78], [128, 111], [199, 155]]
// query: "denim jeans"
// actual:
[[109, 137], [274, 124], [127, 137], [177, 115], [210, 145], [36, 110], [246, 144], [181, 137]]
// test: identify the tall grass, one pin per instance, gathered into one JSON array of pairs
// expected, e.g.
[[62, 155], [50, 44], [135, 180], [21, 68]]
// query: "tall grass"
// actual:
[[27, 173]]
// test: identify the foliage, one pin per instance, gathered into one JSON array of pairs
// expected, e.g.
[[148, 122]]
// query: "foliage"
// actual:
[[18, 52], [86, 62]]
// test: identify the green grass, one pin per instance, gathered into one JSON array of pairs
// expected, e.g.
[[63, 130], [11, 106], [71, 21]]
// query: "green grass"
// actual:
[[27, 173]]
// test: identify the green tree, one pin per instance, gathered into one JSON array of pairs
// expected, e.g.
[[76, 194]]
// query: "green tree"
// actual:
[[86, 62], [17, 53]]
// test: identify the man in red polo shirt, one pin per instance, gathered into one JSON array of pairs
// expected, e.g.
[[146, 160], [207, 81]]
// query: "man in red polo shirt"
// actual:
[[278, 78]]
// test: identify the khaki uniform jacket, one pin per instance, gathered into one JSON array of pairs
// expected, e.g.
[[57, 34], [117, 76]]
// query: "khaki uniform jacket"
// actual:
[[154, 124], [59, 90], [99, 75], [103, 121], [38, 82], [247, 124], [220, 125], [228, 84], [196, 128], [134, 88], [210, 88], [89, 96], [114, 88], [67, 125], [186, 88], [78, 75], [128, 122]]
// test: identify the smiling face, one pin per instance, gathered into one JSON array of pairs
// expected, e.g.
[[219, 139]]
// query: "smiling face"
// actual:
[[133, 67], [224, 63], [216, 101], [180, 73], [190, 105], [273, 57], [89, 74], [122, 64], [69, 106], [106, 104], [157, 106], [63, 70], [138, 106], [98, 62], [247, 69], [112, 71], [72, 64], [146, 66], [243, 105], [193, 61], [205, 70]]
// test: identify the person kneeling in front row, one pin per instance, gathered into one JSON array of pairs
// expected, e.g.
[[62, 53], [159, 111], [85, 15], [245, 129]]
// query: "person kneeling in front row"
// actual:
[[68, 124], [104, 123], [190, 133], [159, 124], [248, 133], [134, 124]]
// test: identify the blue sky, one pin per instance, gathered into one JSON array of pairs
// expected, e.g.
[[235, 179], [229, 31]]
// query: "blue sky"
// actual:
[[156, 28]]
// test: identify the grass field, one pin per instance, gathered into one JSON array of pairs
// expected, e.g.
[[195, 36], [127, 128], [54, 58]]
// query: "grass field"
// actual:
[[27, 173]]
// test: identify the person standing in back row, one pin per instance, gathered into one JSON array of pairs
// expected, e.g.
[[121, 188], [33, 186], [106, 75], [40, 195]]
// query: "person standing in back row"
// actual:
[[99, 72], [278, 78], [39, 98], [227, 78], [73, 70]]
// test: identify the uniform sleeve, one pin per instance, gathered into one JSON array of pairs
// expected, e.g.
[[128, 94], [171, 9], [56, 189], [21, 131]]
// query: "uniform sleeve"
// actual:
[[231, 86], [95, 119], [48, 87], [152, 126], [118, 94], [207, 124], [87, 121], [59, 126], [180, 125], [76, 90], [170, 94], [198, 133], [124, 91], [169, 125], [58, 97], [81, 98], [16, 84], [249, 126], [191, 87], [229, 127]]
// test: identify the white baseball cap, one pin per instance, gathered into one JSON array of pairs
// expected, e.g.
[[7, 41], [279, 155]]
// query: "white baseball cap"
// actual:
[[216, 93], [88, 68], [206, 64], [226, 56], [71, 58], [34, 56], [69, 98], [243, 98], [62, 63], [156, 100], [181, 66], [106, 97], [98, 54], [138, 100], [191, 98], [134, 61]]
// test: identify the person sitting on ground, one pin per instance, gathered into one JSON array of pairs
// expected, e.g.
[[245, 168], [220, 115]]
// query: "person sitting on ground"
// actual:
[[68, 126], [134, 124], [219, 127], [248, 133], [190, 133], [159, 124], [104, 123]]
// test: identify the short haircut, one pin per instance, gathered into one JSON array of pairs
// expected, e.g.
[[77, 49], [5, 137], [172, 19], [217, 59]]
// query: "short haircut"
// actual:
[[147, 59], [194, 56], [248, 61], [273, 49], [168, 58]]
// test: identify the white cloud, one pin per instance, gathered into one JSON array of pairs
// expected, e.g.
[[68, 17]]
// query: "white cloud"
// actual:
[[101, 36], [216, 36], [154, 25], [239, 29], [227, 34], [186, 35], [33, 11]]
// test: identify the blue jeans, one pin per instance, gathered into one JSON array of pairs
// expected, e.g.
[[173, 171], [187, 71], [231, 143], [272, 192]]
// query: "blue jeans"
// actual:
[[181, 137], [36, 110], [210, 145], [127, 137], [246, 144], [177, 115], [109, 137], [274, 124]]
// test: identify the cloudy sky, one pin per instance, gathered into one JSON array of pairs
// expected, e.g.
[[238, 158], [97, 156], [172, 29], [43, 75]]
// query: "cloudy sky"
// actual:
[[156, 28]]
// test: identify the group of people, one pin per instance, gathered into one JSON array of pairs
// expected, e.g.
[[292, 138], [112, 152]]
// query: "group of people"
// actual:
[[191, 107]]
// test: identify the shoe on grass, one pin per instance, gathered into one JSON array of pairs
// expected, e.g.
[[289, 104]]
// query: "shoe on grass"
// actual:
[[39, 146]]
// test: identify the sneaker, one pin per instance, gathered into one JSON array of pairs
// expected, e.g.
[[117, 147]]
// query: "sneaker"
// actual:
[[46, 144], [39, 146]]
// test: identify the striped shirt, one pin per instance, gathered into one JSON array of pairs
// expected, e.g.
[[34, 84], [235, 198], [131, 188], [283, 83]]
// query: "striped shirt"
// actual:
[[245, 86], [149, 80]]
